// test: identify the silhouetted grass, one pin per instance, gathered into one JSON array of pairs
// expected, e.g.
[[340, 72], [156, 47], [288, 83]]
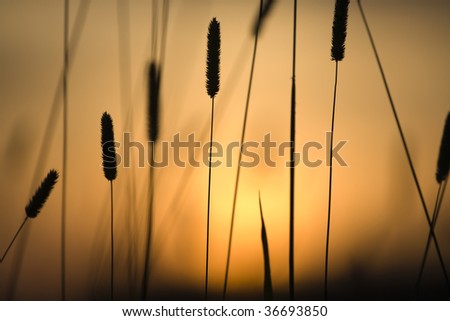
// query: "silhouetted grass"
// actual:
[[244, 127], [337, 54], [405, 146], [212, 88], [268, 291], [65, 148], [49, 132], [110, 171], [35, 204], [292, 163], [442, 169], [153, 134]]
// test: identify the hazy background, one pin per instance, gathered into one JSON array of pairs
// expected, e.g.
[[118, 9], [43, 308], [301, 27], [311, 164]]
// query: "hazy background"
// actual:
[[378, 230]]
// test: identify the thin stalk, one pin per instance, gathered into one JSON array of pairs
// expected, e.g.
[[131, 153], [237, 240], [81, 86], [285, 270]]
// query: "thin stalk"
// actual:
[[292, 163], [112, 242], [50, 127], [330, 180], [13, 239], [126, 104], [268, 290], [162, 235], [149, 226], [437, 207], [172, 213], [162, 49], [425, 255], [405, 146], [65, 141], [154, 29], [209, 197], [238, 174]]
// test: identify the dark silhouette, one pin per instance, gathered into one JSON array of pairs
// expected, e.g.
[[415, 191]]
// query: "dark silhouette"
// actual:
[[35, 204], [405, 146], [212, 88], [244, 127], [153, 134], [443, 165], [337, 54], [292, 164], [65, 147], [110, 171], [268, 291]]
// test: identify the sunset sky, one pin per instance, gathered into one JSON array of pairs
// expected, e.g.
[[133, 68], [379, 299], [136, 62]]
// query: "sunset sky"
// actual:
[[378, 230]]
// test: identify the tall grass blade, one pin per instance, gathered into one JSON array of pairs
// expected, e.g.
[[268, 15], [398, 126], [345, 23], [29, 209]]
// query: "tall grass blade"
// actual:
[[292, 163], [35, 204], [65, 148], [244, 127], [442, 169], [110, 171], [41, 195], [268, 291]]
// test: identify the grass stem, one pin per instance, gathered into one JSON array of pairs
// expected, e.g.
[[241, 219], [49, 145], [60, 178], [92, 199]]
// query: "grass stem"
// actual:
[[238, 173], [13, 239], [330, 180], [65, 147], [437, 207], [209, 197], [112, 241]]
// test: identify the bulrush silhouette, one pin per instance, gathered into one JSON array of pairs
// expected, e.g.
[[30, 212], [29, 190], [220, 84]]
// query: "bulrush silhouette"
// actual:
[[442, 169], [256, 30], [213, 59], [35, 204], [110, 171], [268, 291], [212, 88], [405, 145], [339, 30], [337, 54]]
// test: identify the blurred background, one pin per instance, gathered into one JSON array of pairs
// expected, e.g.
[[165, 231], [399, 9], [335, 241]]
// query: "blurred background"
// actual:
[[378, 228]]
